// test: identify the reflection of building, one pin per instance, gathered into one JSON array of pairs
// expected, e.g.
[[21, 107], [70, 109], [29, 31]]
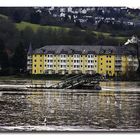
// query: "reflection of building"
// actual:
[[60, 59]]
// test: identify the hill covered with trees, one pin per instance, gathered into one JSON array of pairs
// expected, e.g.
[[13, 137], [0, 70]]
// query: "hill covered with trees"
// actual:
[[43, 26]]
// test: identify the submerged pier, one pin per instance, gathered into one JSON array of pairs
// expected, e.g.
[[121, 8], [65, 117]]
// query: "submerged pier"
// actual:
[[76, 82]]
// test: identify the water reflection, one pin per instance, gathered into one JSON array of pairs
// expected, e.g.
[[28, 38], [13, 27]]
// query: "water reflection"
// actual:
[[102, 110]]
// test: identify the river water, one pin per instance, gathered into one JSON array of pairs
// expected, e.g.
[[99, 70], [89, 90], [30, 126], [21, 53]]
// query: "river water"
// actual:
[[115, 108]]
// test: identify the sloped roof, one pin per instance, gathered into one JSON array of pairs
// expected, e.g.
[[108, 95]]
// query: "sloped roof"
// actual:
[[83, 49]]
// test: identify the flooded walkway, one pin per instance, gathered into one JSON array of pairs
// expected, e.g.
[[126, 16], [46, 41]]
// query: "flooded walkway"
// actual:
[[115, 108]]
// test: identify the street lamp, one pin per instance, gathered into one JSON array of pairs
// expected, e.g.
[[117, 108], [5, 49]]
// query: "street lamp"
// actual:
[[135, 42]]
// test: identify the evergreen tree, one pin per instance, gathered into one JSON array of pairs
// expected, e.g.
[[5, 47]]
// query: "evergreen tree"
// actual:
[[19, 59], [4, 61]]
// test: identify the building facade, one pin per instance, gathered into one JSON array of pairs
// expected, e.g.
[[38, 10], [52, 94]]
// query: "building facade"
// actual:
[[60, 59]]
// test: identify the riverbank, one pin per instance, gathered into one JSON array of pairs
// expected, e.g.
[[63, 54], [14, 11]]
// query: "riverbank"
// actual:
[[60, 77], [34, 77]]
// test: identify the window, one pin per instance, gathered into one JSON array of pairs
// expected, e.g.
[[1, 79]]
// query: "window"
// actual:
[[109, 66], [101, 58], [101, 63], [95, 61], [40, 60], [110, 56], [34, 71], [40, 71], [107, 61], [45, 60], [40, 55], [81, 61], [45, 65], [101, 69], [35, 65], [107, 56], [40, 65], [35, 60], [49, 55], [90, 56]]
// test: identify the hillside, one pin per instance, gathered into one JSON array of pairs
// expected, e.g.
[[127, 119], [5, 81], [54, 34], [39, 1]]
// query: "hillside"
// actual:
[[23, 25]]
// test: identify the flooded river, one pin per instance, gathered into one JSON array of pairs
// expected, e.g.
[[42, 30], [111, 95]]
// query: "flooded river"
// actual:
[[115, 108]]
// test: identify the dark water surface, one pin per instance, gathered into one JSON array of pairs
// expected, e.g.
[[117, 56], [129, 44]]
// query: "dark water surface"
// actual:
[[115, 108]]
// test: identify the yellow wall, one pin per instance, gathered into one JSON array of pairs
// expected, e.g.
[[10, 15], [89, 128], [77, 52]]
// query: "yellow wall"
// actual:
[[105, 67], [38, 64], [124, 64]]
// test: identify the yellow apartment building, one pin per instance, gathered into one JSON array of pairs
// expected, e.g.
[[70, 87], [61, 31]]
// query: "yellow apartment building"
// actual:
[[68, 59]]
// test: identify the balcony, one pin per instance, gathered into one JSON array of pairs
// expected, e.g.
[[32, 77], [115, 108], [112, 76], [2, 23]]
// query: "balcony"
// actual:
[[118, 58], [29, 62], [29, 57], [130, 59], [29, 67], [118, 68], [118, 64]]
